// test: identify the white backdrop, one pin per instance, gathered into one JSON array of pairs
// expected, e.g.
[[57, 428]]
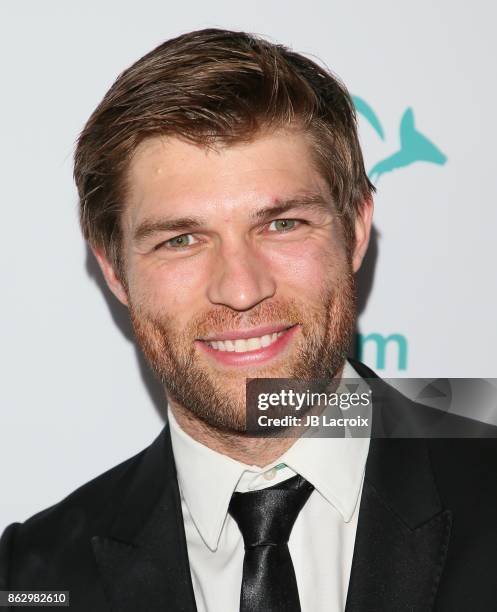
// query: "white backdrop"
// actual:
[[73, 400]]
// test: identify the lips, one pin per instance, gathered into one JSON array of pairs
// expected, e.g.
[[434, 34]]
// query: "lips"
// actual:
[[242, 345], [245, 348], [255, 332]]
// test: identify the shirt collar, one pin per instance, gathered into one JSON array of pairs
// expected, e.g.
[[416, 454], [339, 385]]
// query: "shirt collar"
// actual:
[[207, 479]]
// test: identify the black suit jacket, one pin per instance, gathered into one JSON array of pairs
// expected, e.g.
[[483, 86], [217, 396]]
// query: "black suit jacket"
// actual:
[[426, 537]]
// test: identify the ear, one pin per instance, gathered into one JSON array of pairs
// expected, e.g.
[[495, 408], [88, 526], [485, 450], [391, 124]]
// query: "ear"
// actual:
[[109, 272], [363, 222]]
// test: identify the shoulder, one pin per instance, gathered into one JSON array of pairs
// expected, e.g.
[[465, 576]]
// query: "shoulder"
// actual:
[[465, 472], [397, 416], [60, 534], [90, 502]]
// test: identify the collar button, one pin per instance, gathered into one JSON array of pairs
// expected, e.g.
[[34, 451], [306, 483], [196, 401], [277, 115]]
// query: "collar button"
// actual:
[[270, 474]]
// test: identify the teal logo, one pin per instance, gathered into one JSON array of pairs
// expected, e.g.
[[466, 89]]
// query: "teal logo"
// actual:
[[377, 348], [414, 146]]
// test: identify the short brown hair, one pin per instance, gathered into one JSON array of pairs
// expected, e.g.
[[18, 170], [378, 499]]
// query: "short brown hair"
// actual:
[[214, 86]]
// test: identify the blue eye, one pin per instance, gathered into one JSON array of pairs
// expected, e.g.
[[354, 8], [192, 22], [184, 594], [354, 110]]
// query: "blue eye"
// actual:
[[178, 242], [284, 225]]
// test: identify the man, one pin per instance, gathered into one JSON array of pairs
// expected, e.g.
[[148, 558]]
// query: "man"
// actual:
[[223, 193]]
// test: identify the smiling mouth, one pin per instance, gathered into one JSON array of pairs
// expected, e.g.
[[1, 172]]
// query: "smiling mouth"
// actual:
[[244, 348], [245, 345]]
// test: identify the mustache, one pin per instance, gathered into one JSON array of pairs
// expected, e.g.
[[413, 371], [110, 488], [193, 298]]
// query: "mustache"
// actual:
[[226, 320]]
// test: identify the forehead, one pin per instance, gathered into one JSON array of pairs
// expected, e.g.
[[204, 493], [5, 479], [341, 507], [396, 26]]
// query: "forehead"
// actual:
[[167, 174]]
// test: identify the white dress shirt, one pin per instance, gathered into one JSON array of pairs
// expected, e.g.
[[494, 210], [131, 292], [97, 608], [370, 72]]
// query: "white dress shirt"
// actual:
[[322, 540]]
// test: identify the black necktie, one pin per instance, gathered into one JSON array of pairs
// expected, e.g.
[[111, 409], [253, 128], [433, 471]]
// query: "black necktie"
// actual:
[[266, 518]]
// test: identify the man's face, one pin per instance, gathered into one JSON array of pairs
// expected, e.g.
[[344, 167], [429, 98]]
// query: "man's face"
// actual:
[[220, 246]]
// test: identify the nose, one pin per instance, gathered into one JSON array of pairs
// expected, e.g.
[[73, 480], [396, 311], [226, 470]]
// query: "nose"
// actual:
[[240, 278]]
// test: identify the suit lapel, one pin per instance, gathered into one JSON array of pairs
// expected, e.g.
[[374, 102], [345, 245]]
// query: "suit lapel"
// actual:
[[400, 548], [403, 532], [143, 561]]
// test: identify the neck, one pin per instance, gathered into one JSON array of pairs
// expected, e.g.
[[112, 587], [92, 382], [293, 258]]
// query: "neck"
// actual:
[[251, 451]]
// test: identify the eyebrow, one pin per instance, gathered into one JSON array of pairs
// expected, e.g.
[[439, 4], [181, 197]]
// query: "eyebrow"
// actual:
[[150, 227]]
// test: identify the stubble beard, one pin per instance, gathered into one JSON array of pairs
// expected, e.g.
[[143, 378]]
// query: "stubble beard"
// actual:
[[216, 396]]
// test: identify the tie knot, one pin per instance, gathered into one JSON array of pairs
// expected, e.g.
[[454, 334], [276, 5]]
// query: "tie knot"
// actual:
[[266, 517]]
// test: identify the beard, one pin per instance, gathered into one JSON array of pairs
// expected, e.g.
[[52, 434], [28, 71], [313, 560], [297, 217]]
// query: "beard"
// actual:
[[216, 394]]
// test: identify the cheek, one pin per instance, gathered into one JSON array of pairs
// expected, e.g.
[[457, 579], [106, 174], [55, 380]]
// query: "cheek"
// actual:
[[308, 266], [174, 289]]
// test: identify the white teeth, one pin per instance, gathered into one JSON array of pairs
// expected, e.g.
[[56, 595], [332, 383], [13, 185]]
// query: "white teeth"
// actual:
[[266, 340], [242, 345], [253, 343]]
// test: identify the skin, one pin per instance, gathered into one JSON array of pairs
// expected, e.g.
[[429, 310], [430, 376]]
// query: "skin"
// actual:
[[234, 272]]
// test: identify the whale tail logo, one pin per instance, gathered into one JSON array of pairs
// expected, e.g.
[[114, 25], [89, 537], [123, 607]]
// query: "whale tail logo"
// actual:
[[414, 147], [368, 113]]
